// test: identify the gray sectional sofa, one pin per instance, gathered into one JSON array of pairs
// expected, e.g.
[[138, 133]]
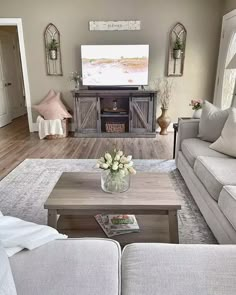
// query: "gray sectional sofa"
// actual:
[[211, 178], [98, 267]]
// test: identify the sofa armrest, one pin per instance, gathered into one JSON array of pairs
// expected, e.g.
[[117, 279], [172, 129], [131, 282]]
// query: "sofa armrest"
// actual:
[[188, 128]]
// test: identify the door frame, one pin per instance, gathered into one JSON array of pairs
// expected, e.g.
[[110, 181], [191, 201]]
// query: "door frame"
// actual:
[[18, 23], [226, 17]]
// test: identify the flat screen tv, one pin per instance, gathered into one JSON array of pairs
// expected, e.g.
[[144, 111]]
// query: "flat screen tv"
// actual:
[[115, 65]]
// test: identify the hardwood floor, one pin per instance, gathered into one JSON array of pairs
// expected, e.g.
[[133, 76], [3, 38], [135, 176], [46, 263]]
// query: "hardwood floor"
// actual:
[[18, 144]]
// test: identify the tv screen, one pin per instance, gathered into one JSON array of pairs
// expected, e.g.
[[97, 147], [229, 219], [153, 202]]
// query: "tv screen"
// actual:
[[115, 65]]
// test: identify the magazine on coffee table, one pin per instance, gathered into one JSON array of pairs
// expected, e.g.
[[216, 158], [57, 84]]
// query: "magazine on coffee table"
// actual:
[[119, 224]]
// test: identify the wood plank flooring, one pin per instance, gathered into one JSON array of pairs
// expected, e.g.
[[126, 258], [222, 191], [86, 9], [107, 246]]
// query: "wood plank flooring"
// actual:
[[18, 144]]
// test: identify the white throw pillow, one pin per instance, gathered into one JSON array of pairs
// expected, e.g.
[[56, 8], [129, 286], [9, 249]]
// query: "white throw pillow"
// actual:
[[212, 122], [226, 143], [7, 285]]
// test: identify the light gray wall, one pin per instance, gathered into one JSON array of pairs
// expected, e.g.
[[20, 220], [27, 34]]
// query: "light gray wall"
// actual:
[[202, 19], [229, 5]]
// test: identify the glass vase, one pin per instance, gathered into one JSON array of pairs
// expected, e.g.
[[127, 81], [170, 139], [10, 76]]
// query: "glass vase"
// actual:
[[114, 182], [77, 85]]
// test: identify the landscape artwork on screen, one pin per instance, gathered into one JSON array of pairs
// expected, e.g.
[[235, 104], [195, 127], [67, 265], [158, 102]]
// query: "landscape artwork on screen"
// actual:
[[114, 65]]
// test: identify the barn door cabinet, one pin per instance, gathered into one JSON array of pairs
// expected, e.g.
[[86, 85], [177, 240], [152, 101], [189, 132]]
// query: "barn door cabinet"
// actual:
[[135, 109]]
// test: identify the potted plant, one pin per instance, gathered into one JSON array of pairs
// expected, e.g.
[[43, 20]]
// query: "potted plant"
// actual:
[[196, 105], [164, 91], [52, 49], [76, 77], [178, 48]]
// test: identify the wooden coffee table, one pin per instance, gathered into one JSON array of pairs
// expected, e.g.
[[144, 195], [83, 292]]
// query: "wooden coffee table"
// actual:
[[79, 195]]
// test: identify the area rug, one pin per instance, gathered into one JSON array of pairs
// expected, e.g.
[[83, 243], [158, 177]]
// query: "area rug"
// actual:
[[24, 191]]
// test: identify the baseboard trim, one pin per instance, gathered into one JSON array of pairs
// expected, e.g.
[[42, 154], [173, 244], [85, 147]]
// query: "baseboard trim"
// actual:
[[71, 127]]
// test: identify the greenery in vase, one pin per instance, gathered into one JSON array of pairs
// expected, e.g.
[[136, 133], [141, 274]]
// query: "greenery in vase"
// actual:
[[117, 162], [178, 45], [76, 77], [196, 104], [53, 45]]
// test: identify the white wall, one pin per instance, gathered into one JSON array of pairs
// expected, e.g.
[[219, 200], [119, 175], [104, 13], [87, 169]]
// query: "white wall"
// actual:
[[202, 19]]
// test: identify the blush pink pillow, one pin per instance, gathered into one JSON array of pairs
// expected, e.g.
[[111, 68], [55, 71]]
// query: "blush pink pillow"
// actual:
[[50, 95], [52, 108]]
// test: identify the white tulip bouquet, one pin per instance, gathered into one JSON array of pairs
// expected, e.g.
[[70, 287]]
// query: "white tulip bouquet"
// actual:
[[117, 162], [117, 169]]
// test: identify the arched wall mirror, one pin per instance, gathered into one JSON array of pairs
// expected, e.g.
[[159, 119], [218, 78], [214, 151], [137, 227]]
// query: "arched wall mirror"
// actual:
[[225, 86], [53, 50], [177, 46], [229, 78]]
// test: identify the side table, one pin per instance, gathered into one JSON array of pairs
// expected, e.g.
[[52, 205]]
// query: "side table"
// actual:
[[175, 127]]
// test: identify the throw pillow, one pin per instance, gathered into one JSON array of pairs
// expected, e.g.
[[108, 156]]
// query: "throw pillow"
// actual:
[[226, 143], [50, 95], [7, 285], [52, 108], [212, 122]]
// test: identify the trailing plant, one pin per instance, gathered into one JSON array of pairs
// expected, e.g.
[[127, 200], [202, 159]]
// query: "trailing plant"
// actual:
[[178, 45], [53, 45]]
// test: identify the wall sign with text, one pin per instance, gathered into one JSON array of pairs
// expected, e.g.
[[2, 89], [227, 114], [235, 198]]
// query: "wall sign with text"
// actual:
[[132, 25]]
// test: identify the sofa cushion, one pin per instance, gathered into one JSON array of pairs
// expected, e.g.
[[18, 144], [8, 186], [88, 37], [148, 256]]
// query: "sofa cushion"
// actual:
[[214, 173], [159, 269], [212, 122], [7, 285], [227, 203], [73, 266], [226, 143], [194, 147]]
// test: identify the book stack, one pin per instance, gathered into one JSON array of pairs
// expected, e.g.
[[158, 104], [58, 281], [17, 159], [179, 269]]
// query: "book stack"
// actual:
[[114, 225]]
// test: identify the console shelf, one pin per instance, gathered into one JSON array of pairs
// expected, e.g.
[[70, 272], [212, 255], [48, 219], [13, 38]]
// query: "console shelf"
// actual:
[[90, 117]]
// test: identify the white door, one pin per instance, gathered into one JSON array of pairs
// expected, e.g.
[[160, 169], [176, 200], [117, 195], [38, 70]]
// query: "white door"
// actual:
[[225, 79], [5, 113], [13, 75]]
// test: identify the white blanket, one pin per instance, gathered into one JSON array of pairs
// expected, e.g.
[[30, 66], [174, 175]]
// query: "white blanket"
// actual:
[[49, 127], [16, 234]]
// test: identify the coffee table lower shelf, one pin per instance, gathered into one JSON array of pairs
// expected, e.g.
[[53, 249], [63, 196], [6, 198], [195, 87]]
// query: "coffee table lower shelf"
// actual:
[[153, 229]]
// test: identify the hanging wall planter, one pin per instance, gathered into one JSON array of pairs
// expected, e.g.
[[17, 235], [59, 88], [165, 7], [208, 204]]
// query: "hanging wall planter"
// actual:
[[177, 46], [53, 51]]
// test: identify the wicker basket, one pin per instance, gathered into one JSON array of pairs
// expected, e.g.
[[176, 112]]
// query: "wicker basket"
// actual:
[[115, 127], [65, 127]]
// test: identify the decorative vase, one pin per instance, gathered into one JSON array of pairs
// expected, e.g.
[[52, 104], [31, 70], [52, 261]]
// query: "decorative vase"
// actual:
[[177, 53], [53, 54], [114, 182], [164, 121], [197, 114]]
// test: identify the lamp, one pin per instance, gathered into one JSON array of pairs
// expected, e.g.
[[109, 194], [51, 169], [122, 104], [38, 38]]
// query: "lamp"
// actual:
[[232, 66]]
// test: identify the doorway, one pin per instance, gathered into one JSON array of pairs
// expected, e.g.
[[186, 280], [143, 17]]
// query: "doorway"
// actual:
[[225, 88], [15, 98], [12, 97]]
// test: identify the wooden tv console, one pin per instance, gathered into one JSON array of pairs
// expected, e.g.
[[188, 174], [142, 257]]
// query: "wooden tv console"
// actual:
[[136, 109]]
